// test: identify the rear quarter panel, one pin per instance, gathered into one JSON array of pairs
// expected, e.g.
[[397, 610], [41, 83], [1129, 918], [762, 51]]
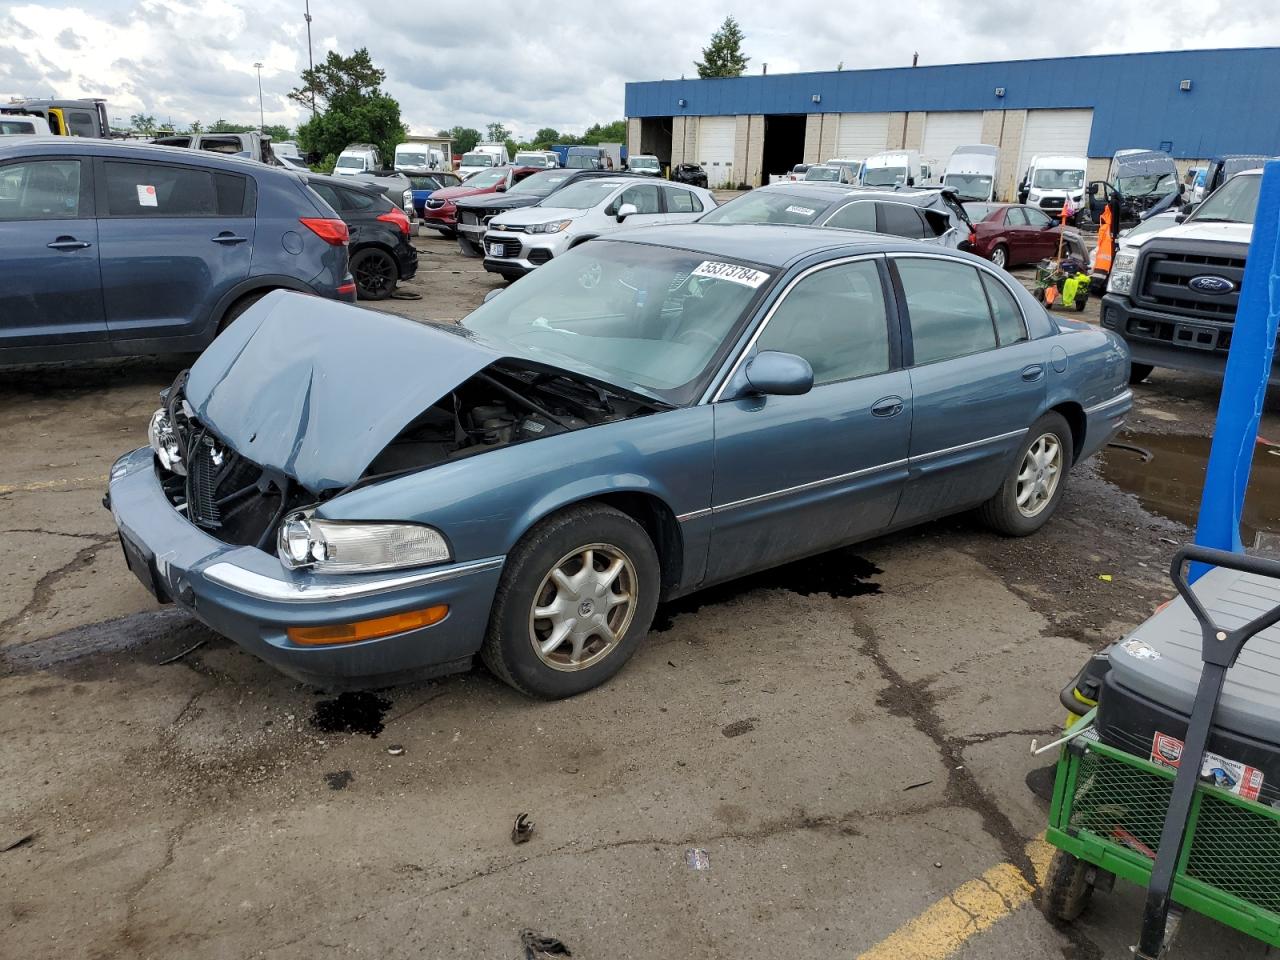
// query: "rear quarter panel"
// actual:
[[1088, 367]]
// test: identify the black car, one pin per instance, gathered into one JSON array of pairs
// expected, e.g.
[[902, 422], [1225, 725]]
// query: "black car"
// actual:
[[691, 174], [381, 252], [475, 212]]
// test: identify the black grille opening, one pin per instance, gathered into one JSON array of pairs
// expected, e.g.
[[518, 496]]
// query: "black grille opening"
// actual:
[[539, 256]]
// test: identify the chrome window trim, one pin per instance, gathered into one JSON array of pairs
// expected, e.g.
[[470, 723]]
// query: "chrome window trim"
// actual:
[[1099, 407], [326, 589], [918, 458], [717, 391]]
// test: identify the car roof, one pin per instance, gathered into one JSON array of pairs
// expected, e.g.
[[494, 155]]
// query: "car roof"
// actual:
[[349, 183], [768, 244], [125, 150], [831, 192]]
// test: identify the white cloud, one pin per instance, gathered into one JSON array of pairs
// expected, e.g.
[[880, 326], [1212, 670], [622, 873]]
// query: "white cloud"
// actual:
[[562, 65]]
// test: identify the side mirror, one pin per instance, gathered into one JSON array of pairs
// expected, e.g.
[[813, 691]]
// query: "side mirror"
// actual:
[[911, 181], [491, 294], [502, 188], [626, 210], [1093, 189], [779, 374]]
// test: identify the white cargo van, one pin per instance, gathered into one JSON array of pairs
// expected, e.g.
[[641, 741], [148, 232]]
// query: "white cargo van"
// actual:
[[1050, 180], [18, 125], [357, 158], [894, 168], [972, 171], [416, 155]]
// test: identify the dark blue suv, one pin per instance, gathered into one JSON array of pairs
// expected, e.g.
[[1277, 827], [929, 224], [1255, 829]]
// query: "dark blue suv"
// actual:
[[111, 249]]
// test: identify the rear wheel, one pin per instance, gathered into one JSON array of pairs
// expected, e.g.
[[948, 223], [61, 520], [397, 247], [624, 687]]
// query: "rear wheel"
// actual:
[[1000, 256], [239, 307], [1031, 492], [1068, 887], [1139, 372], [576, 598], [375, 272]]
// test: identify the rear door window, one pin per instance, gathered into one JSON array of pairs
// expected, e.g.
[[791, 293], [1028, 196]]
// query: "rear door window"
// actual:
[[230, 145], [901, 220], [855, 216], [681, 201], [1010, 326], [947, 308], [158, 190], [235, 195], [41, 190], [1016, 217]]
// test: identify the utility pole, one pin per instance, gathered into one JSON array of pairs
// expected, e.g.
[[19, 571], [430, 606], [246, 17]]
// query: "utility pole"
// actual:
[[310, 59], [261, 119]]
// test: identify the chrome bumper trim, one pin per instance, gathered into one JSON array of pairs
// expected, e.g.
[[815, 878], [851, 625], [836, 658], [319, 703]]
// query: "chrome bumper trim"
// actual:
[[331, 588], [1127, 396]]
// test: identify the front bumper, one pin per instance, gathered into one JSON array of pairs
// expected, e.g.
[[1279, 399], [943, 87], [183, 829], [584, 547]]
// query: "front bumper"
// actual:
[[1153, 338], [440, 218], [407, 259], [246, 595], [522, 252]]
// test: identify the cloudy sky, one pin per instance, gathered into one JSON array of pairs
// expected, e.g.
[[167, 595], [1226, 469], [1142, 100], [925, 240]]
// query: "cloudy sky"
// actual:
[[529, 65]]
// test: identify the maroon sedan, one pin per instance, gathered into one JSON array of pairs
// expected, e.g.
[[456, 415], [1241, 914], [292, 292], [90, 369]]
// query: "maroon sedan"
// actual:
[[1012, 233], [440, 212]]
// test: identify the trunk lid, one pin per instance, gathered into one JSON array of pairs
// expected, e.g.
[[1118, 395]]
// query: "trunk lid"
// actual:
[[316, 389]]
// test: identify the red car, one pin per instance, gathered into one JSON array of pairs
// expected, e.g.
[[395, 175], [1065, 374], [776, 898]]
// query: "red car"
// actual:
[[1012, 233], [439, 211]]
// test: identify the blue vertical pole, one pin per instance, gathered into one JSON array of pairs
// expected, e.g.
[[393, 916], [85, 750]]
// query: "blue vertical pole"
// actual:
[[1244, 387]]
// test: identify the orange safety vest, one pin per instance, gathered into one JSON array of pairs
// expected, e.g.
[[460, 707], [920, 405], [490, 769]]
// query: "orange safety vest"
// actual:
[[1105, 245]]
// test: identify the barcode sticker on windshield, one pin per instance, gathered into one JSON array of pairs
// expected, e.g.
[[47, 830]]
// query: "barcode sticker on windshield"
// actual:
[[732, 272], [803, 211]]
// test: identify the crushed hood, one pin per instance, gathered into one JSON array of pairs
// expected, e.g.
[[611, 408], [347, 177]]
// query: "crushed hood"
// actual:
[[316, 389]]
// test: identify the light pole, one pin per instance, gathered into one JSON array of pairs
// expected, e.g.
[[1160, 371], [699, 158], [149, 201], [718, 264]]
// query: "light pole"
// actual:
[[310, 60], [261, 124]]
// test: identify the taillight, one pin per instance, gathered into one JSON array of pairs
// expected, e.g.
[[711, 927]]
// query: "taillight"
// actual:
[[397, 216], [331, 231], [973, 237]]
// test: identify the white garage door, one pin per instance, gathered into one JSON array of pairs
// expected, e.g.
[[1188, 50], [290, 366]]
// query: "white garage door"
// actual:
[[943, 132], [715, 148], [861, 134], [1062, 132]]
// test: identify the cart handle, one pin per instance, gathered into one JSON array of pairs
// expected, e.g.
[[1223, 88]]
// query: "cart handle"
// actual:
[[1219, 646]]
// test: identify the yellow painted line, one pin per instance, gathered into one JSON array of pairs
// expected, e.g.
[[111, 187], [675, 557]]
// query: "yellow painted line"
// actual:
[[66, 483], [973, 907]]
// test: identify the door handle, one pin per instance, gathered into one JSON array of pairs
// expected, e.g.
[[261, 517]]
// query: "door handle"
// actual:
[[68, 243], [1033, 373], [229, 239], [888, 407]]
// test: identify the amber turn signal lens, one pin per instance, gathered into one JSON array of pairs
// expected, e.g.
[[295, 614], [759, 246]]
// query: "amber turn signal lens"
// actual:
[[368, 629]]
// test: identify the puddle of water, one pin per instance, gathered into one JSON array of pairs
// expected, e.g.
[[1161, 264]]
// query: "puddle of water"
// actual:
[[351, 712], [839, 573], [1170, 482]]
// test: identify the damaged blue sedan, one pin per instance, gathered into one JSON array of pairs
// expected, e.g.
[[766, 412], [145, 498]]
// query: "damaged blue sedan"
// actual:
[[358, 498]]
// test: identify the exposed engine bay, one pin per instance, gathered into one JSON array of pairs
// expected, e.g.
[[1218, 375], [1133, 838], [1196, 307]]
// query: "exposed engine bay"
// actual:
[[242, 503]]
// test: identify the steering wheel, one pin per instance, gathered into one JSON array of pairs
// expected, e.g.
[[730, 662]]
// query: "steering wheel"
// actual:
[[589, 279], [690, 336]]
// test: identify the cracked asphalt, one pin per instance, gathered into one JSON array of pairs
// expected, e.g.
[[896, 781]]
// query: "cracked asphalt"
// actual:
[[845, 739]]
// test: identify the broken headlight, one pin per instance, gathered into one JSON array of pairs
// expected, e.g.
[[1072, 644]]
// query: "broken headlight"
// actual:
[[164, 443], [327, 546]]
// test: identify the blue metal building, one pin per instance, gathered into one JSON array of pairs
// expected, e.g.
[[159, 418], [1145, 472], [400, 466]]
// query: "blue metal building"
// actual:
[[1193, 104]]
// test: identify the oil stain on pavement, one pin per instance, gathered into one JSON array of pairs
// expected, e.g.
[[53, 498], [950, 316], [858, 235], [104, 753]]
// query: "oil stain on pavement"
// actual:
[[351, 712]]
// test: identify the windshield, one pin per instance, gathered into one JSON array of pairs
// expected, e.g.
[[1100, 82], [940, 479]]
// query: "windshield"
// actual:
[[626, 313], [822, 173], [882, 176], [422, 183], [477, 160], [541, 184], [644, 163], [17, 126], [1147, 184], [584, 194], [412, 159], [530, 160], [350, 163], [579, 162], [768, 206], [1049, 178], [969, 186], [1235, 201], [487, 178]]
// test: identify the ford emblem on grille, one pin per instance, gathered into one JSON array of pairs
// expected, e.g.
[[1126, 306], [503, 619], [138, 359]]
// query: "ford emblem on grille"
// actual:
[[1214, 286]]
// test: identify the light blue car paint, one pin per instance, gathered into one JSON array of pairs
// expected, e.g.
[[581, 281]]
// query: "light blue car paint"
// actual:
[[738, 484]]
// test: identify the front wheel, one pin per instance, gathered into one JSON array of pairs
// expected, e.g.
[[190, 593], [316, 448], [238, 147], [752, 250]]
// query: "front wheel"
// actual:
[[1035, 484], [576, 598], [1000, 256], [375, 272]]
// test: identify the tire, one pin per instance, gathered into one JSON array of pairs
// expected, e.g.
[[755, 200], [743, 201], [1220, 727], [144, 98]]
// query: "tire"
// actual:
[[238, 308], [1042, 490], [1081, 302], [1038, 293], [1000, 256], [516, 643], [469, 249], [375, 272], [1139, 372], [1068, 887]]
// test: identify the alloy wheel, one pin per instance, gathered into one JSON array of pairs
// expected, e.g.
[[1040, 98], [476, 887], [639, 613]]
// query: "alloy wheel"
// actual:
[[999, 258], [1039, 474], [583, 607], [375, 275]]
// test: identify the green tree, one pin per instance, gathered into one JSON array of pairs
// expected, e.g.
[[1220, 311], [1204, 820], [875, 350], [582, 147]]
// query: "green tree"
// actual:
[[355, 109], [144, 123], [615, 132], [496, 133], [723, 56], [226, 126], [277, 132], [464, 138], [546, 137], [197, 126]]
